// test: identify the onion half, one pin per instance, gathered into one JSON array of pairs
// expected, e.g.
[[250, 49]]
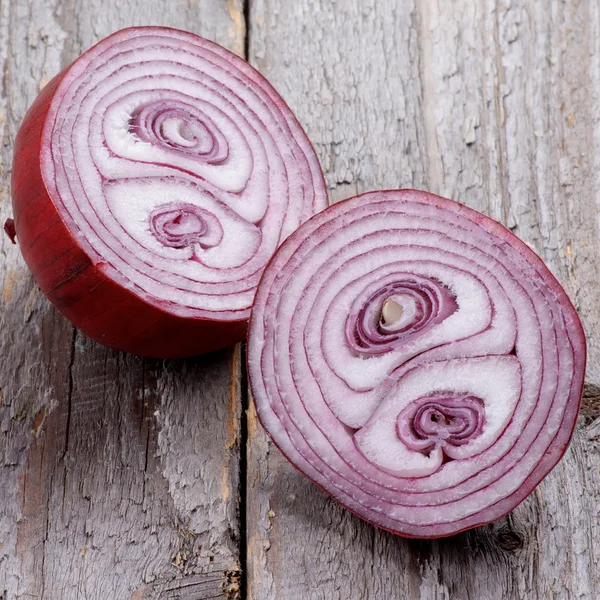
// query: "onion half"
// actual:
[[416, 360], [152, 181]]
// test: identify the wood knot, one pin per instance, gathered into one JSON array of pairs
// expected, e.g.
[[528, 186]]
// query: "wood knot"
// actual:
[[590, 402], [509, 540]]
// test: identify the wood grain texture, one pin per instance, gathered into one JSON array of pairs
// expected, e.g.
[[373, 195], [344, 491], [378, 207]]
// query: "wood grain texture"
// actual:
[[119, 476], [494, 104]]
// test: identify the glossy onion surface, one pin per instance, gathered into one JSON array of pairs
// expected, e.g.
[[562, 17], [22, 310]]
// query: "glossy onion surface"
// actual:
[[416, 360], [169, 169]]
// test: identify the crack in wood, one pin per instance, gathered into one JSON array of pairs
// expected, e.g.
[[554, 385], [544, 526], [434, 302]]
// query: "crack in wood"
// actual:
[[70, 393], [242, 579]]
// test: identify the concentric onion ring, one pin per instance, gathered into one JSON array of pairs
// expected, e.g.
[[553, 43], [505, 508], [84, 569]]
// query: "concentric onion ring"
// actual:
[[159, 172], [416, 360]]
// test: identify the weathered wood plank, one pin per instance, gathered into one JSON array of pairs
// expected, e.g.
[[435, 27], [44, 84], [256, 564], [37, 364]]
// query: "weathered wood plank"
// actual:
[[118, 475], [495, 104]]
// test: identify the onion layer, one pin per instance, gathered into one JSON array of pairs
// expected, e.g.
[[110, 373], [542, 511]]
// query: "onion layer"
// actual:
[[152, 181], [416, 360]]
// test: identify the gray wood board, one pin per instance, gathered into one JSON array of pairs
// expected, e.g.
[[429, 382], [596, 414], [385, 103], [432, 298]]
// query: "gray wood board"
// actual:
[[120, 477], [494, 104]]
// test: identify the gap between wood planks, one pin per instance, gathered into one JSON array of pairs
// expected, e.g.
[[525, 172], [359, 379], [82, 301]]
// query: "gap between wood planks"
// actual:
[[245, 400], [243, 473]]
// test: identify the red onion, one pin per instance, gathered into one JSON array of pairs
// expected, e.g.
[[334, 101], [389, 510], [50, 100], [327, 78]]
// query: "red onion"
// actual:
[[416, 360], [152, 181]]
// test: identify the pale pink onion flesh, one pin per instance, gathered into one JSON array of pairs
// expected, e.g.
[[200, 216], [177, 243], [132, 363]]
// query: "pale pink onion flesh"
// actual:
[[178, 169], [416, 360]]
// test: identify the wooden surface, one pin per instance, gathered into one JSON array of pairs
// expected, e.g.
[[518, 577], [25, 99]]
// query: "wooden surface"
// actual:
[[124, 478]]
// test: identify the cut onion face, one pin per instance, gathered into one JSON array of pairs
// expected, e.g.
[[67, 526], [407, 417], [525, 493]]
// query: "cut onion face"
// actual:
[[416, 360], [153, 180]]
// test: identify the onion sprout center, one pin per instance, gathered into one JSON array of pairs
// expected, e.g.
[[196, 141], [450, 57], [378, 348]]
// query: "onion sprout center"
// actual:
[[391, 312]]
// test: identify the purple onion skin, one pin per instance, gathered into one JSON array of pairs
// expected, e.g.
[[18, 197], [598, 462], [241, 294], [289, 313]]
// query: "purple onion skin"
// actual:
[[463, 412]]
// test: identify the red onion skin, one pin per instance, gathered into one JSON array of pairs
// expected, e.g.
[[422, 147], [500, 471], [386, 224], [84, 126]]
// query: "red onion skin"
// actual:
[[564, 435], [99, 307]]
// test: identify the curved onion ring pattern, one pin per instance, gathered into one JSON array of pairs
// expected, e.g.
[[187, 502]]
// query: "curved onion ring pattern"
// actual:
[[178, 168], [416, 360]]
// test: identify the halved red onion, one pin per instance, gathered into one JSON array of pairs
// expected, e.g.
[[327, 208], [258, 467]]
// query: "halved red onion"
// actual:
[[152, 181], [416, 360]]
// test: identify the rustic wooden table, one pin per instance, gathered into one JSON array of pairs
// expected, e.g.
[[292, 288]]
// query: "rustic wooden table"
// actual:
[[125, 478]]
